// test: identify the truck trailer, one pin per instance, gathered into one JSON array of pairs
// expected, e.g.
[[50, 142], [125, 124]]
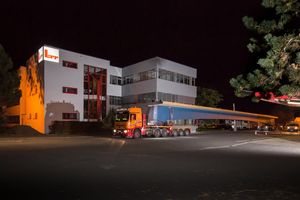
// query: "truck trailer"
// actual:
[[131, 122]]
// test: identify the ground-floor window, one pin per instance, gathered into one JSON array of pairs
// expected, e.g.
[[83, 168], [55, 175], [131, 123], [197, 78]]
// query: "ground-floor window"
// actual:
[[13, 119], [175, 98], [69, 116], [115, 100]]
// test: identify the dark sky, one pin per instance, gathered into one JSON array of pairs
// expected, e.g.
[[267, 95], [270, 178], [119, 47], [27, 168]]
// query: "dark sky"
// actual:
[[205, 34]]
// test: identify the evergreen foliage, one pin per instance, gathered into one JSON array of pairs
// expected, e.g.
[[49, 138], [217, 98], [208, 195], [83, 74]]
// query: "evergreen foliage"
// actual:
[[110, 118], [278, 38], [9, 85], [208, 97]]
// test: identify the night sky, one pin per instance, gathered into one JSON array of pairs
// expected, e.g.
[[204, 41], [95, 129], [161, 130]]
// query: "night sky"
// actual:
[[208, 35]]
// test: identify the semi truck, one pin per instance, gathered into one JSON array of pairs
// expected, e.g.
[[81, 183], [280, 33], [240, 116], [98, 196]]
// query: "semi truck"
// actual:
[[131, 122]]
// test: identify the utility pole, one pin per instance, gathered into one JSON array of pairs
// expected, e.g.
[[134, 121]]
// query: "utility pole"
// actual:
[[234, 122]]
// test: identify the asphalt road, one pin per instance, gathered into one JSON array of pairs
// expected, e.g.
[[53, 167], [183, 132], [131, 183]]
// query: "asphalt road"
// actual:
[[212, 165]]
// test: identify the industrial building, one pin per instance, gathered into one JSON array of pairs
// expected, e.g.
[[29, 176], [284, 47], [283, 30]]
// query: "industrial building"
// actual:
[[58, 84]]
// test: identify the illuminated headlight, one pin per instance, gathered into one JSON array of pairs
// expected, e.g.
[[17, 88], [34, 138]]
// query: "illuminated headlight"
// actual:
[[288, 127], [125, 131], [115, 130], [296, 127]]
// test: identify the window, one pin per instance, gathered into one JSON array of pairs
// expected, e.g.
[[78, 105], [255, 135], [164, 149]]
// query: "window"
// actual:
[[114, 100], [13, 119], [69, 90], [69, 64], [132, 117], [35, 116], [115, 80], [29, 116], [69, 116]]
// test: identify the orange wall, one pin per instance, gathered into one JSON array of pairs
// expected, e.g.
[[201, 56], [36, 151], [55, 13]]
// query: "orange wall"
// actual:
[[34, 96]]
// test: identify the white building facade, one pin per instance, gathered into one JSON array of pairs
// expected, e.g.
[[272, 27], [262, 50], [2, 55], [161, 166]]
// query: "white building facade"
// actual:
[[60, 85]]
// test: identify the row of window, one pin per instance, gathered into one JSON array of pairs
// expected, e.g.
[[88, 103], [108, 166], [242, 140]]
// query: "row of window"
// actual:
[[133, 78], [69, 90], [69, 115], [90, 69], [175, 98], [176, 77], [151, 74], [115, 100], [33, 117], [13, 119], [64, 116], [69, 64], [150, 97], [139, 98]]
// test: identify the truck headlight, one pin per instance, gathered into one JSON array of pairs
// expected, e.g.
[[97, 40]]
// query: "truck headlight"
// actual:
[[125, 131], [115, 130]]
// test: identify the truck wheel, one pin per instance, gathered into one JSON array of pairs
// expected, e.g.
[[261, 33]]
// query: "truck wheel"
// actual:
[[164, 132], [157, 133], [186, 132], [136, 134], [181, 133], [175, 133]]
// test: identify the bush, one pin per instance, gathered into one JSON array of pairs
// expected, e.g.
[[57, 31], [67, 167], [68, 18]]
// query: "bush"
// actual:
[[76, 127]]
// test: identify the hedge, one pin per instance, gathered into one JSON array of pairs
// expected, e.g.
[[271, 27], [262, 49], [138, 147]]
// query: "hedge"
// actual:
[[76, 127]]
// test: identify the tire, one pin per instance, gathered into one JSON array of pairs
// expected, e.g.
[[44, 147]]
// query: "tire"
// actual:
[[187, 132], [181, 133], [157, 133], [136, 134], [175, 133], [164, 132]]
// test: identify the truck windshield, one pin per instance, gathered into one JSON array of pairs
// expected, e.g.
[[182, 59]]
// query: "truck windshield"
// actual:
[[294, 125], [122, 116]]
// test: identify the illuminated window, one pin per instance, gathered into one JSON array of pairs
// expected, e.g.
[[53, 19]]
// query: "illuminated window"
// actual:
[[69, 90], [29, 116], [69, 116], [69, 64], [35, 116]]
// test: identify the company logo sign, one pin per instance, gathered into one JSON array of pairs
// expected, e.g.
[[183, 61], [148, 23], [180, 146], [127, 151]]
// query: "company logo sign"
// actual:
[[48, 54]]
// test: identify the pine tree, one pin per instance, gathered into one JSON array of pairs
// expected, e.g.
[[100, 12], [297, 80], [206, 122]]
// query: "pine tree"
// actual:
[[9, 85], [279, 71]]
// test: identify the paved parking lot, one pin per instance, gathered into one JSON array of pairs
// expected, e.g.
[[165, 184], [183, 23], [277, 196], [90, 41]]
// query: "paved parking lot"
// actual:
[[208, 165]]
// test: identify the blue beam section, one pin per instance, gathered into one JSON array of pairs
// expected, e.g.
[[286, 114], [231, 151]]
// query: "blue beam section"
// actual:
[[167, 111]]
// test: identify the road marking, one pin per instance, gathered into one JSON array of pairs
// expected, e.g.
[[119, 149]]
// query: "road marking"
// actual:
[[243, 141], [220, 147], [234, 145]]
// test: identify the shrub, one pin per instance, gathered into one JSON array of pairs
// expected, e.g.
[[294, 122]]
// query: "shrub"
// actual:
[[76, 127]]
